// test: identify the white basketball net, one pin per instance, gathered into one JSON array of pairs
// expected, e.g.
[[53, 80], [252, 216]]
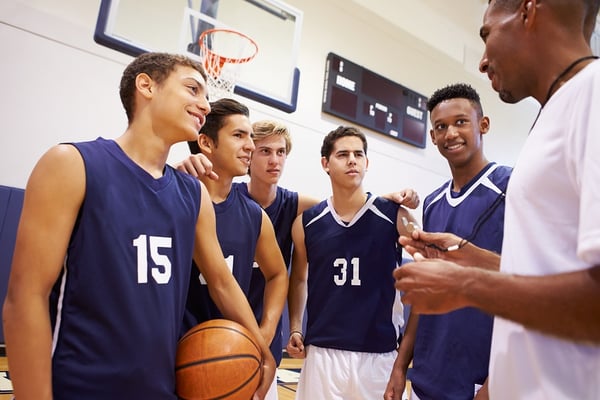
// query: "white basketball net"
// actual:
[[222, 52]]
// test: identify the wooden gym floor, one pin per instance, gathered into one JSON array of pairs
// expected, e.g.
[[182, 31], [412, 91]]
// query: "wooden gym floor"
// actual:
[[287, 379], [286, 389], [5, 386]]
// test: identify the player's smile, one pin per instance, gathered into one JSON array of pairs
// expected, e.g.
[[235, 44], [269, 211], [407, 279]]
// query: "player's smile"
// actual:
[[454, 147]]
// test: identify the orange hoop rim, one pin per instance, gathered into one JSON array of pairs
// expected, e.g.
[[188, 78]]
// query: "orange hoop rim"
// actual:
[[223, 59]]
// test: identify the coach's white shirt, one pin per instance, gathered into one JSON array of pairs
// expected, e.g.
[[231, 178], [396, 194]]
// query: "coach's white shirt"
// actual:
[[552, 225]]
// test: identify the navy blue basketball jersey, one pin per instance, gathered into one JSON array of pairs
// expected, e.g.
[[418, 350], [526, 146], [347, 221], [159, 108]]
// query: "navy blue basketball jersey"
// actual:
[[239, 221], [351, 294], [282, 213], [117, 307], [462, 338], [475, 213]]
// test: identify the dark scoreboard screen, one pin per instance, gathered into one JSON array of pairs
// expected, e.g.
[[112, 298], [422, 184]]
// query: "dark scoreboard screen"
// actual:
[[358, 95]]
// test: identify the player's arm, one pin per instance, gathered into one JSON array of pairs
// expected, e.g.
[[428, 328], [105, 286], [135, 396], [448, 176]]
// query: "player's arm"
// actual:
[[437, 286], [53, 196], [397, 381], [223, 288], [406, 197], [483, 392], [271, 263], [297, 291], [305, 202]]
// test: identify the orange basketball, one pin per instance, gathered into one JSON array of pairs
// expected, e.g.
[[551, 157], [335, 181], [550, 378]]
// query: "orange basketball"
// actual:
[[217, 359]]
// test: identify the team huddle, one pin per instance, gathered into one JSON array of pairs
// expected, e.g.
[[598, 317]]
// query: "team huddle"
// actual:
[[501, 276]]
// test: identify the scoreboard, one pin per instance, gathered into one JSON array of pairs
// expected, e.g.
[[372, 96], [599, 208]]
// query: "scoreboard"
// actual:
[[365, 98]]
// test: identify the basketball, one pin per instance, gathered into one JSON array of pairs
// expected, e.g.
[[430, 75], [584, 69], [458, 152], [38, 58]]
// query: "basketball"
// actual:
[[217, 359]]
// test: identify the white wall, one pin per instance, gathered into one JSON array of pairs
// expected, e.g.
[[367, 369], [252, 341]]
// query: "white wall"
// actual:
[[59, 85]]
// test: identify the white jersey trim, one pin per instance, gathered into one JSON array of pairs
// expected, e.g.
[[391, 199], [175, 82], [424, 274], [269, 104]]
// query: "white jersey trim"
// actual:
[[59, 306], [366, 207], [483, 180]]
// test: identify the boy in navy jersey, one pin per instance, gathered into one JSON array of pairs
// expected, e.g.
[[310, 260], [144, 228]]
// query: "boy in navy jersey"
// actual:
[[105, 242], [450, 352], [345, 250], [244, 230], [273, 144]]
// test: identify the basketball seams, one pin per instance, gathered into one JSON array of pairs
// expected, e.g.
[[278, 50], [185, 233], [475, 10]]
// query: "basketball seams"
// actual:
[[241, 386], [223, 355], [217, 359]]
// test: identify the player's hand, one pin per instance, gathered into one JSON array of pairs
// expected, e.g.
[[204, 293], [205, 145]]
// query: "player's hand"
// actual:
[[295, 346], [406, 197], [432, 286], [396, 385], [197, 165], [269, 368]]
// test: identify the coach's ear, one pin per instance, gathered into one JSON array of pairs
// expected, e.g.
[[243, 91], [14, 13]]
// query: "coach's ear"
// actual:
[[528, 11]]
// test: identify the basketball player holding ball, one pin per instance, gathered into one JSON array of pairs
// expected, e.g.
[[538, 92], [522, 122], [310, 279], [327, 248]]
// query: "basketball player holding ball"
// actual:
[[105, 242]]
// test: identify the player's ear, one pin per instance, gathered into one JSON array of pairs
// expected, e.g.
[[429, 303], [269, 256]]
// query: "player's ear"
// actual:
[[205, 143], [325, 164], [432, 137], [144, 84], [484, 125]]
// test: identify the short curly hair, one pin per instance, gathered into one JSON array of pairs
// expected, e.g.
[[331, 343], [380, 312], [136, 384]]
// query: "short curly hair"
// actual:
[[456, 91], [158, 66]]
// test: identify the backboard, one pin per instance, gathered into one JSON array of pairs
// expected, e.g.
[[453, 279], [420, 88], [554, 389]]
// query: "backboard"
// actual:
[[272, 77]]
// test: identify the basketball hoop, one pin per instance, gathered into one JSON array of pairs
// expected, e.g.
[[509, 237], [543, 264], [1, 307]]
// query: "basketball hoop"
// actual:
[[222, 52]]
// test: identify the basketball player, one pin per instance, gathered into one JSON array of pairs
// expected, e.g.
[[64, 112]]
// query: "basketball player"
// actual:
[[450, 352], [244, 230], [273, 144], [105, 243], [345, 249], [546, 296]]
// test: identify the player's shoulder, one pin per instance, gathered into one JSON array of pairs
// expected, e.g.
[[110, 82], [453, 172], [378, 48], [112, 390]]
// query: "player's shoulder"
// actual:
[[383, 203], [185, 178], [502, 170], [284, 192], [501, 175], [63, 161], [315, 209], [382, 206], [436, 193]]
